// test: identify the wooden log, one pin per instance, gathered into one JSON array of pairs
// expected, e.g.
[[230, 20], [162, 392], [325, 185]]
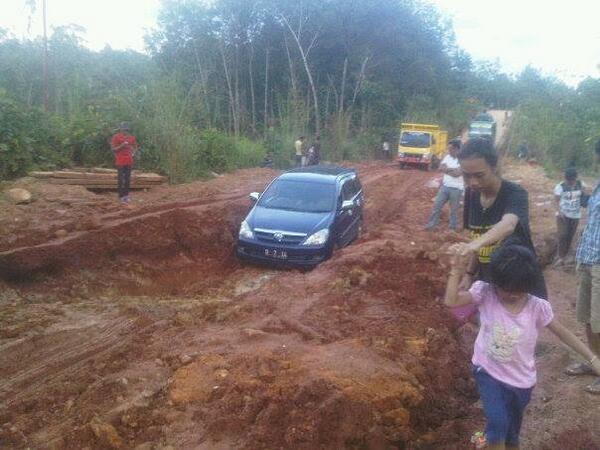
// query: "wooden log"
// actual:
[[102, 170], [148, 175], [101, 178], [83, 175], [105, 176], [38, 174], [114, 188], [84, 182]]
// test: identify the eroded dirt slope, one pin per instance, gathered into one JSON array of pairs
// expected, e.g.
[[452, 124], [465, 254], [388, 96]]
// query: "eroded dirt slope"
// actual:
[[140, 329]]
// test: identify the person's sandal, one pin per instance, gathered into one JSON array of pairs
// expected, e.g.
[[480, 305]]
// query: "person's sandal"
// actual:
[[579, 369], [478, 439], [594, 388]]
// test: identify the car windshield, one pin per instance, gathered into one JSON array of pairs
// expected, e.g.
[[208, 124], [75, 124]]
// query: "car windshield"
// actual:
[[484, 117], [415, 139], [299, 196], [481, 126]]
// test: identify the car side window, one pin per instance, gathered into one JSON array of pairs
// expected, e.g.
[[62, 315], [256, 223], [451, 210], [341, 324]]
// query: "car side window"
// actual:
[[357, 185], [348, 191]]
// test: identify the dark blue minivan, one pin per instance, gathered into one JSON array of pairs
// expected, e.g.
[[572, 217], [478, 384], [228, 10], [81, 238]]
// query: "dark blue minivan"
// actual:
[[302, 216]]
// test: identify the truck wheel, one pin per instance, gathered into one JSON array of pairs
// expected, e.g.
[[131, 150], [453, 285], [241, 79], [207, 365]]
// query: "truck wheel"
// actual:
[[402, 165]]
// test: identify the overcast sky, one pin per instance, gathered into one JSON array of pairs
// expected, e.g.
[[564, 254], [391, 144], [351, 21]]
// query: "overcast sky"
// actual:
[[561, 38]]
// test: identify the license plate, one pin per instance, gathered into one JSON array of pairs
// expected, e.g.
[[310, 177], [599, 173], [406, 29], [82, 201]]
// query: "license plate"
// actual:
[[277, 254]]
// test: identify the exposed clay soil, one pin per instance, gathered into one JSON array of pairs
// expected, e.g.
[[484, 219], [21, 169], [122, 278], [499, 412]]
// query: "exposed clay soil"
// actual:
[[139, 329]]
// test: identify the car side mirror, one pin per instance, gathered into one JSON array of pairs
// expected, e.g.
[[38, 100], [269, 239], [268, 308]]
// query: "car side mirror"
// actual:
[[254, 196], [347, 204]]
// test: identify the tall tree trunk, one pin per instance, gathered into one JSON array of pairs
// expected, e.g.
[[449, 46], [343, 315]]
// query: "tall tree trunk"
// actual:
[[293, 101], [304, 55], [291, 66], [232, 109], [359, 82], [252, 96], [266, 113], [45, 57], [237, 104], [203, 88], [343, 89]]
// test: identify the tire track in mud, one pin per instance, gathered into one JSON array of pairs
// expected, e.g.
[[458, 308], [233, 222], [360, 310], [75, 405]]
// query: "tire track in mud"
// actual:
[[41, 363]]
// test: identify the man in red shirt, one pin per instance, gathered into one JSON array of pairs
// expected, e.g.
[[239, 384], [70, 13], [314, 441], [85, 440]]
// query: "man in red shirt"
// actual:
[[124, 147]]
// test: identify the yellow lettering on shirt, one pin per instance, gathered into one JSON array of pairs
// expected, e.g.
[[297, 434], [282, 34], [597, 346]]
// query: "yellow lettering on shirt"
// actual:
[[484, 252]]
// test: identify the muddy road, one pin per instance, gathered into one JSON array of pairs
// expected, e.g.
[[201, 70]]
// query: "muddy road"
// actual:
[[139, 329]]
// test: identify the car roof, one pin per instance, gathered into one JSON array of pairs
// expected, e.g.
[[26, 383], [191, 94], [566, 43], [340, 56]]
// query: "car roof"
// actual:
[[317, 174]]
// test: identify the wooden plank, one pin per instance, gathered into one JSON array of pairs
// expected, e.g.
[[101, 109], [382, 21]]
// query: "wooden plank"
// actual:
[[101, 178], [105, 176], [148, 176], [84, 182], [38, 174], [102, 170], [114, 188], [83, 175]]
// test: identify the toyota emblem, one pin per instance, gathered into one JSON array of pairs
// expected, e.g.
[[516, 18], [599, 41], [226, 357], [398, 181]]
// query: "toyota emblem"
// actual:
[[278, 237]]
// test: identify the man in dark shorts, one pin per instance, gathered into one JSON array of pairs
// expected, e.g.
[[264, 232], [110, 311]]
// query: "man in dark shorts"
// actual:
[[496, 212], [124, 146]]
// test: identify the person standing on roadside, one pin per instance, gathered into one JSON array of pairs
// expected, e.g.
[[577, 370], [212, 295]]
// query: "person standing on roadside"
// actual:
[[124, 145], [588, 289], [314, 152], [568, 196], [299, 147], [451, 189], [385, 147], [496, 212]]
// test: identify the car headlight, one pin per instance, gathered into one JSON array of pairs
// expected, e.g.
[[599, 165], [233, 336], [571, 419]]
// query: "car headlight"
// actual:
[[427, 156], [400, 155], [246, 231], [319, 238]]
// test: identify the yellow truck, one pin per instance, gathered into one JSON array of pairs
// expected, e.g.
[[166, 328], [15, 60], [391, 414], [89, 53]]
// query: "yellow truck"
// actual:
[[421, 145]]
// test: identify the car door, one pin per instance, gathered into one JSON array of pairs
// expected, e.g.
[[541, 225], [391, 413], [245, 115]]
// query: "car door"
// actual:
[[348, 218], [359, 200], [356, 196]]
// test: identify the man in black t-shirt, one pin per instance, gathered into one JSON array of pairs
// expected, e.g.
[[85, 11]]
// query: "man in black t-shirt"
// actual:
[[496, 211]]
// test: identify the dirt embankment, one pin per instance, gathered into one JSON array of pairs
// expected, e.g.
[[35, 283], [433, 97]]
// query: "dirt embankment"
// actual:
[[141, 330]]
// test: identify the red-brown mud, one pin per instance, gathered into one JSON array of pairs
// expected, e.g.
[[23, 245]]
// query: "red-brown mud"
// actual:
[[139, 329]]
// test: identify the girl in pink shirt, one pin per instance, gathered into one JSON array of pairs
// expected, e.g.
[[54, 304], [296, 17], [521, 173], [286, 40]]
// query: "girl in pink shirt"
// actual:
[[503, 357]]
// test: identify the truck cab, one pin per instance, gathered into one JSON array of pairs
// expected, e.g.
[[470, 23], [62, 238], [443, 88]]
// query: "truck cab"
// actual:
[[421, 145], [480, 129], [483, 126]]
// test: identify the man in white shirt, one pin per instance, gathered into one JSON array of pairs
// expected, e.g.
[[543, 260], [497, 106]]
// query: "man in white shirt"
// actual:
[[568, 195], [299, 147], [386, 149], [451, 189]]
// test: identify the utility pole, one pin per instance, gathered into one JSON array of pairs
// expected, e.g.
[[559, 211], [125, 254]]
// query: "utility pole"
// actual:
[[45, 58]]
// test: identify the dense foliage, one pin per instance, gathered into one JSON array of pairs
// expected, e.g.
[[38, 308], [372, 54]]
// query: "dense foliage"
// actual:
[[227, 80]]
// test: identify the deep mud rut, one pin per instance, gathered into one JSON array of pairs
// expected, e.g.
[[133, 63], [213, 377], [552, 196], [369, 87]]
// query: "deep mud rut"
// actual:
[[140, 329]]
